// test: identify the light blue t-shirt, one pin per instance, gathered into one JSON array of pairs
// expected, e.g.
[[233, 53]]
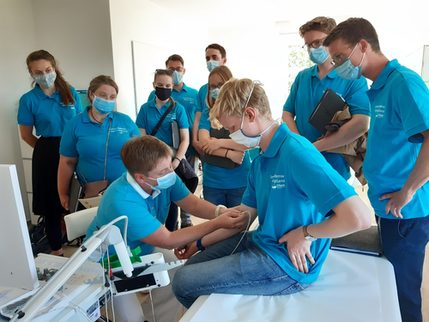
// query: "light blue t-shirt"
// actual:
[[125, 197], [222, 178], [307, 91], [188, 97], [291, 184], [202, 98], [86, 141], [399, 113], [150, 114], [46, 113]]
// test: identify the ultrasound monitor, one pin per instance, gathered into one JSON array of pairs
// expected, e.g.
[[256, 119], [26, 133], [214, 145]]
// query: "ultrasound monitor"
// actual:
[[17, 267]]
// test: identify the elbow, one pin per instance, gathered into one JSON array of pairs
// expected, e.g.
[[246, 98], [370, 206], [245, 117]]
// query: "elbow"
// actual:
[[362, 219]]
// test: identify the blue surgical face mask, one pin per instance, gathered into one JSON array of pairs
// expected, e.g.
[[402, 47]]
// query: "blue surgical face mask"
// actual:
[[318, 55], [212, 64], [177, 77], [166, 181], [214, 93], [103, 106], [46, 80], [349, 71]]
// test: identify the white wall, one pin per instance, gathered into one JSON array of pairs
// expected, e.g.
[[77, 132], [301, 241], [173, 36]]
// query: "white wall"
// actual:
[[76, 32], [17, 39], [153, 28]]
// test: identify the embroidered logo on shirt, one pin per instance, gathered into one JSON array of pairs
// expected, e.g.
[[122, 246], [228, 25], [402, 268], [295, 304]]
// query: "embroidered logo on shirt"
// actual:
[[278, 181], [379, 111], [119, 130]]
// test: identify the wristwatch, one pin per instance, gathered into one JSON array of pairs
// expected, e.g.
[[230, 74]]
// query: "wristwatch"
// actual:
[[307, 235]]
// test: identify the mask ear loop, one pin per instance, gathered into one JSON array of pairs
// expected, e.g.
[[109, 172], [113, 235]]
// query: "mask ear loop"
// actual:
[[255, 82]]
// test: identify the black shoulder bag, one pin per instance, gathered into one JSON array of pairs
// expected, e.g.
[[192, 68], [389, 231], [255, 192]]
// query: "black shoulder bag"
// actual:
[[184, 170]]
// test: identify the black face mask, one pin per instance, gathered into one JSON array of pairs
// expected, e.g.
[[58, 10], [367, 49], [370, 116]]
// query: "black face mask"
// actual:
[[163, 93]]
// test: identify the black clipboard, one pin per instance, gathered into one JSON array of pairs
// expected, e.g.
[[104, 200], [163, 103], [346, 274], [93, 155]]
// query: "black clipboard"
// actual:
[[329, 104], [365, 242]]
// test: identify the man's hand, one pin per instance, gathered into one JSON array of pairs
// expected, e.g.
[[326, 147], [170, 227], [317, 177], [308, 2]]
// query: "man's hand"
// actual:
[[186, 251], [398, 200], [232, 218], [298, 249]]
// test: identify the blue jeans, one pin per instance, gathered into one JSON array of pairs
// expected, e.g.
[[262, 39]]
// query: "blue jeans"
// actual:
[[404, 242], [227, 197], [249, 271]]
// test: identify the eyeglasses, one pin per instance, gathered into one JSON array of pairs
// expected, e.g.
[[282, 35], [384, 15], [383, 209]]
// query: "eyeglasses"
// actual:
[[314, 44], [255, 82], [338, 60]]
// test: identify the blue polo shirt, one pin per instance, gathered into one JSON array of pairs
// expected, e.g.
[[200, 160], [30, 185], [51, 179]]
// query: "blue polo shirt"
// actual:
[[399, 113], [146, 214], [47, 113], [202, 98], [307, 91], [86, 141], [188, 97], [150, 114], [222, 178], [291, 184]]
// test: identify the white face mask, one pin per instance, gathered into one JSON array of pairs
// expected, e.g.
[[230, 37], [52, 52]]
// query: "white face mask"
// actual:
[[241, 138], [250, 141]]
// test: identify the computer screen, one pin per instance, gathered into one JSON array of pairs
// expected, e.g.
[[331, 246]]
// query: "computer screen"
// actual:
[[17, 268]]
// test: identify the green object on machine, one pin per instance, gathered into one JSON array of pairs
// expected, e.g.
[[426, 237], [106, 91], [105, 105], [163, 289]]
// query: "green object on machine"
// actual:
[[114, 260]]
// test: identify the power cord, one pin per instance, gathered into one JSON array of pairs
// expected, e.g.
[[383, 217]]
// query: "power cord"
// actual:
[[245, 232]]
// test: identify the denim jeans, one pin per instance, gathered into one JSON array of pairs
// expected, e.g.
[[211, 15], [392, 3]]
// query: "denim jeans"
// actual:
[[404, 242], [249, 271], [227, 197]]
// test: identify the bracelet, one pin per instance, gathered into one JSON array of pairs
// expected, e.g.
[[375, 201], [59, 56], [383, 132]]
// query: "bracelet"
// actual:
[[176, 158], [217, 210], [226, 153], [200, 245]]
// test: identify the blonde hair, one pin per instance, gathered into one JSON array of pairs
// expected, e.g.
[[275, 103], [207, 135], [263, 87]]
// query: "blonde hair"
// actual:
[[225, 74], [142, 154], [237, 94]]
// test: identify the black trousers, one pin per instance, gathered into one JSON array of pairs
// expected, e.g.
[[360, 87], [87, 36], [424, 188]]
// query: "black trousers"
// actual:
[[46, 201]]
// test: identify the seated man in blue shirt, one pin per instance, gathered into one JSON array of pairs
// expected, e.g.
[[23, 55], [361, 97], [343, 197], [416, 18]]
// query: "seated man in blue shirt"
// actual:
[[144, 194], [291, 188], [396, 162], [310, 85]]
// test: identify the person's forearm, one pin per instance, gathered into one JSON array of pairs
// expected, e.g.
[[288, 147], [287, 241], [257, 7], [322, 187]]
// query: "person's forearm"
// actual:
[[202, 209], [184, 236], [222, 234], [346, 134], [183, 147], [350, 216], [65, 172], [420, 174], [232, 145], [196, 127], [31, 140]]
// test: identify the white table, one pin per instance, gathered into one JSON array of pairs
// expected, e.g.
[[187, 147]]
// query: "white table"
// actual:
[[351, 287]]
